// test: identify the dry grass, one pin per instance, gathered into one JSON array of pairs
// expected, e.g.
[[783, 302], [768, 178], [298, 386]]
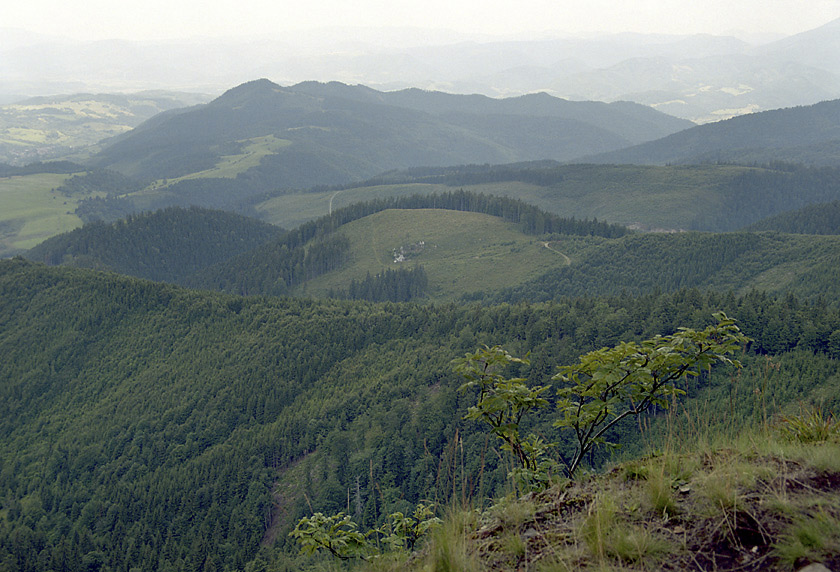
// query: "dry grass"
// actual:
[[726, 509]]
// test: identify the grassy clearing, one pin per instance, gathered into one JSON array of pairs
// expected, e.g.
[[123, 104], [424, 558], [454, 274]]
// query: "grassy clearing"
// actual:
[[229, 166], [30, 211], [461, 252]]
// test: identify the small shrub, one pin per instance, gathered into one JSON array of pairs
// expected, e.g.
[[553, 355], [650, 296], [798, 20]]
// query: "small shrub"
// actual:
[[811, 425], [810, 538], [660, 493]]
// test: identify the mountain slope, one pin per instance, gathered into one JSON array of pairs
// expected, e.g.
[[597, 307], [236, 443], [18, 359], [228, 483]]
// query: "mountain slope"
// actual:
[[336, 134], [167, 245], [632, 122], [809, 135], [144, 425], [813, 219], [819, 47]]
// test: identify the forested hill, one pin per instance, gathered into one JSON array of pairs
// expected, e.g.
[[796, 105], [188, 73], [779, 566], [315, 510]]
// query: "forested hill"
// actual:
[[315, 248], [167, 245], [641, 263], [808, 135], [629, 120], [267, 137], [813, 219], [146, 426]]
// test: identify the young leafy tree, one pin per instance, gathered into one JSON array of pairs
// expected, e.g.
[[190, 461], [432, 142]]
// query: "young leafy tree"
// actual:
[[402, 532], [340, 536], [610, 384], [501, 404], [337, 534], [606, 386]]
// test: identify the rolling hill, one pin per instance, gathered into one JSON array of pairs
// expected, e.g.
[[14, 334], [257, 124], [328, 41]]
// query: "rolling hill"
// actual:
[[144, 425], [814, 219], [42, 128], [808, 135], [166, 245], [269, 137], [469, 247], [715, 198]]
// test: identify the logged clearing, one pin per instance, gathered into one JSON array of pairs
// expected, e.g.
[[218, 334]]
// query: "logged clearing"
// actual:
[[461, 252]]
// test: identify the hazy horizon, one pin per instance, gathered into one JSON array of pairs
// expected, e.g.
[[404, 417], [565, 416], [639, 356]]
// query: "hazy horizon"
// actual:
[[157, 20]]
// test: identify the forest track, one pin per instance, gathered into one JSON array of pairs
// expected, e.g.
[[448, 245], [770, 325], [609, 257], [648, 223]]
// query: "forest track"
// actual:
[[566, 258]]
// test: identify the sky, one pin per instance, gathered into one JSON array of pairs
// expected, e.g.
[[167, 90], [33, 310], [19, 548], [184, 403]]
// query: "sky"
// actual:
[[193, 19]]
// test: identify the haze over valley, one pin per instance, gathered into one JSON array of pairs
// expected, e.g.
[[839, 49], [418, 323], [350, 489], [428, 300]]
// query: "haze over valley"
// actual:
[[420, 287]]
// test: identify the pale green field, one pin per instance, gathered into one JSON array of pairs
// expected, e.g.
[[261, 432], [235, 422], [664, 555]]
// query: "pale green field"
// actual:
[[462, 253], [31, 212], [231, 165]]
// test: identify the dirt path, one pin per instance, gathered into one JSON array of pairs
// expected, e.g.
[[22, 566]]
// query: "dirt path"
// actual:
[[331, 199], [566, 258]]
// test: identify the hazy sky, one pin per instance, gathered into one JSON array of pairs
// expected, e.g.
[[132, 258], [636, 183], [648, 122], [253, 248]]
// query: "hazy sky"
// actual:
[[164, 19]]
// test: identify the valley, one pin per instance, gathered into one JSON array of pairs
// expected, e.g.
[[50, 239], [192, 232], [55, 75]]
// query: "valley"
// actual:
[[224, 320]]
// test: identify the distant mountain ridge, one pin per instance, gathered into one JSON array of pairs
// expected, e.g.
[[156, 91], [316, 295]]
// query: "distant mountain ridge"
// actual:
[[324, 134], [808, 135], [700, 77]]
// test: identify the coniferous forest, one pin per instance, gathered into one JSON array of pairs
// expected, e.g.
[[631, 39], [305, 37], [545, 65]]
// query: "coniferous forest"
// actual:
[[155, 427], [181, 387]]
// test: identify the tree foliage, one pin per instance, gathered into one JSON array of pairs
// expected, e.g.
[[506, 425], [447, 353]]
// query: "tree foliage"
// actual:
[[502, 403], [610, 384], [603, 388]]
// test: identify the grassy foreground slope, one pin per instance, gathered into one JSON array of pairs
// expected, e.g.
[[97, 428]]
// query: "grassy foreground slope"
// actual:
[[755, 503]]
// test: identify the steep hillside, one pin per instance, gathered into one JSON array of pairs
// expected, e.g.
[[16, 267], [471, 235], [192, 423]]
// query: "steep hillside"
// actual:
[[167, 245], [316, 134], [815, 219], [144, 425], [808, 135]]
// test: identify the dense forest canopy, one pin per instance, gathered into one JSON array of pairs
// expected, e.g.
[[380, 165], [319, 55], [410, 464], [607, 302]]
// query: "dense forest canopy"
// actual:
[[174, 414], [167, 245], [182, 410]]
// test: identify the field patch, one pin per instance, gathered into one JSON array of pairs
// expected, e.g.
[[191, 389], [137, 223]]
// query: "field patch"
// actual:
[[32, 211], [461, 252]]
